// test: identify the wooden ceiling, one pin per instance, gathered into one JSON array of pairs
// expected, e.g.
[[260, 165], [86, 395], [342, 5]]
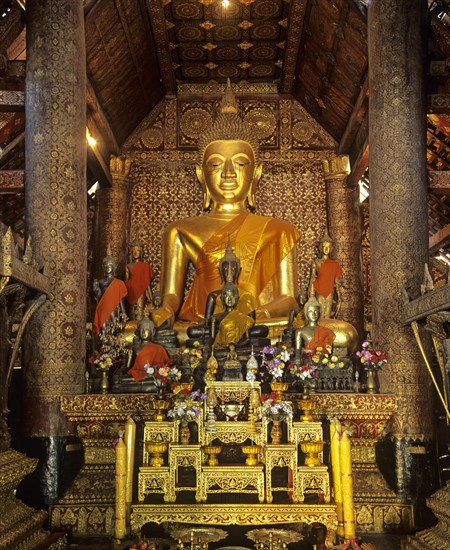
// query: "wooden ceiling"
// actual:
[[140, 50]]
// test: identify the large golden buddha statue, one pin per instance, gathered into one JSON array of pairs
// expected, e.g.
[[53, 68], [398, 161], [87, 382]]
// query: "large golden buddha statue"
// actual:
[[229, 173]]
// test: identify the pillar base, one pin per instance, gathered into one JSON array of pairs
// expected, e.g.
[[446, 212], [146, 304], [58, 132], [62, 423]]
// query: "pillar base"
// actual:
[[59, 460]]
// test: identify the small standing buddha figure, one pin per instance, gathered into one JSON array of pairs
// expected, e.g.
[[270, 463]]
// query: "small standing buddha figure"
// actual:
[[326, 278], [138, 278], [110, 293]]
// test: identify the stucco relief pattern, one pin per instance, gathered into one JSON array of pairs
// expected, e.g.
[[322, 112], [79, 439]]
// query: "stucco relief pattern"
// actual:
[[398, 202], [56, 207]]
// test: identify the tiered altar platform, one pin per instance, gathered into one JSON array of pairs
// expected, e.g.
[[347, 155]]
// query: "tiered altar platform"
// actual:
[[88, 507]]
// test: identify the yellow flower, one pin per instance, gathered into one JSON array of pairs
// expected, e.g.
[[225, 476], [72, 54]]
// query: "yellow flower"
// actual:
[[334, 358], [341, 364], [324, 361], [315, 359], [332, 365], [328, 348], [319, 349], [363, 360], [196, 344], [176, 389], [186, 350]]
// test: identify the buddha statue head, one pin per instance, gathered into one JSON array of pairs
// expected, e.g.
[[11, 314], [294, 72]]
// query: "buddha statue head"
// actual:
[[146, 330], [229, 265], [312, 311], [135, 251], [109, 266], [229, 296], [157, 298], [326, 245], [229, 170]]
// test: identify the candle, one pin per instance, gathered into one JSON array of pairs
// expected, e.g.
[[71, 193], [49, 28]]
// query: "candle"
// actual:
[[335, 434], [129, 439], [345, 460], [121, 477]]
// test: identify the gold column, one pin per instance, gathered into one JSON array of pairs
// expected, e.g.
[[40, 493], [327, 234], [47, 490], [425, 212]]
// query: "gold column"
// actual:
[[111, 222], [344, 226], [55, 208]]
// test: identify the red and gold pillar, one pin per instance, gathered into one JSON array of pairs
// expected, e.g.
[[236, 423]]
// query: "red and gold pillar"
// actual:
[[112, 217], [344, 226], [399, 219], [55, 211]]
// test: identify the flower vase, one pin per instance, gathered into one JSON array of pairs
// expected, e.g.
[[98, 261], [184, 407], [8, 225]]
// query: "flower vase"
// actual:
[[185, 433], [104, 381], [372, 384], [276, 432]]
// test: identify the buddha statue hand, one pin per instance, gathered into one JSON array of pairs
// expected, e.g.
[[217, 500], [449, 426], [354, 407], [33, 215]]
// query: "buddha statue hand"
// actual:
[[163, 314]]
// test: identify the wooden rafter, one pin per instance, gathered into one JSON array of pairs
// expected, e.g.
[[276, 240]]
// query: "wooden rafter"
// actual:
[[356, 118], [440, 239], [11, 181]]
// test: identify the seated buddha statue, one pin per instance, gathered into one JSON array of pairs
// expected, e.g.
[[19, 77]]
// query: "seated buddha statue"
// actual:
[[143, 352], [326, 279], [109, 293], [231, 325], [164, 334], [229, 269], [229, 173], [312, 335]]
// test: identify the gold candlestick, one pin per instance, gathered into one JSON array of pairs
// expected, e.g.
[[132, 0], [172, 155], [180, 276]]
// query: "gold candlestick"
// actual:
[[129, 440], [335, 434], [121, 480], [345, 460]]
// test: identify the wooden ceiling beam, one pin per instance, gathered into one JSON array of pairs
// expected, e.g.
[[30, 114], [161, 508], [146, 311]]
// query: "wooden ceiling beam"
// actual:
[[356, 118], [12, 144], [439, 182], [12, 181], [106, 135], [440, 239], [11, 101]]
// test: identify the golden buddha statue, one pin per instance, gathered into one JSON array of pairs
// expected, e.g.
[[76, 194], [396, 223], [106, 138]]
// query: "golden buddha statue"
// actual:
[[231, 325], [326, 277], [138, 278], [229, 173], [312, 335]]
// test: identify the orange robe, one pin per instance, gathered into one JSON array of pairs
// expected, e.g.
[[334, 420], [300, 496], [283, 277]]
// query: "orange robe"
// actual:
[[151, 354], [322, 337], [260, 243], [141, 275], [327, 273], [114, 293]]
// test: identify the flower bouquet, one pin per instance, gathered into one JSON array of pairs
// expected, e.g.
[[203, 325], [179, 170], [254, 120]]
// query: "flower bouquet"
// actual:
[[371, 359], [101, 361], [305, 373], [187, 405], [323, 357], [194, 355], [273, 409], [274, 361], [163, 376]]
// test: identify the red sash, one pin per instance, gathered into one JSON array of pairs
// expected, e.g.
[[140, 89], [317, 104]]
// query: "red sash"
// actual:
[[328, 272], [115, 291], [141, 275], [260, 243], [151, 354]]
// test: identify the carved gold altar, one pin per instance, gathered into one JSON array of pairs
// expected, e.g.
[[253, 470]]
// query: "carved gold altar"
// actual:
[[89, 505]]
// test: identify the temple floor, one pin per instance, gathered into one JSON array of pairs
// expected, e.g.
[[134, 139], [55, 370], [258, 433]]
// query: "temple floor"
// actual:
[[236, 537]]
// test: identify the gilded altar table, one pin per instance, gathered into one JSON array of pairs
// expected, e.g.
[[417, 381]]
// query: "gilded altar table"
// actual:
[[88, 506]]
